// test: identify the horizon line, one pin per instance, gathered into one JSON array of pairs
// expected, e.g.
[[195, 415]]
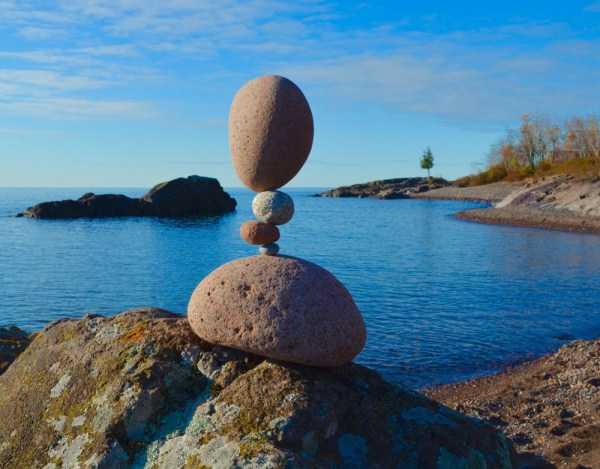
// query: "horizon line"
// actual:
[[142, 187]]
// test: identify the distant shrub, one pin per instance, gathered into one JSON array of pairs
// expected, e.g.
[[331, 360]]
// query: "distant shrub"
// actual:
[[494, 173]]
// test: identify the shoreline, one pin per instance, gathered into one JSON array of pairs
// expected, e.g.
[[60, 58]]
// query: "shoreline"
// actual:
[[560, 203], [549, 406], [491, 193], [527, 217]]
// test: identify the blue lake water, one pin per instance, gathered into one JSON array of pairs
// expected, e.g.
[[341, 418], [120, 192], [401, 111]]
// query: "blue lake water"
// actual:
[[443, 299]]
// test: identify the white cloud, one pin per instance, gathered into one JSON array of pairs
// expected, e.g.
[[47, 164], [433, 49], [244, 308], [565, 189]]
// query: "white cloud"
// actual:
[[110, 42], [453, 80], [76, 107], [34, 33], [484, 73], [54, 94], [29, 81]]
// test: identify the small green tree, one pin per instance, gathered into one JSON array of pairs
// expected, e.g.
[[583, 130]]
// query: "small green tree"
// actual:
[[427, 161]]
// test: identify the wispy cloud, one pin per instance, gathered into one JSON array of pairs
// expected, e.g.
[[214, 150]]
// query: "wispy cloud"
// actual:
[[54, 94], [73, 107], [460, 74], [464, 75], [33, 81], [34, 33], [110, 41]]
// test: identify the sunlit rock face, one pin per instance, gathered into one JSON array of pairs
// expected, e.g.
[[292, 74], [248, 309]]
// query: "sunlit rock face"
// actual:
[[142, 390]]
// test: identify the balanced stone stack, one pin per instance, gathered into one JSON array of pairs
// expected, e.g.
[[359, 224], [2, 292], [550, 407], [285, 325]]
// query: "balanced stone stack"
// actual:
[[276, 306]]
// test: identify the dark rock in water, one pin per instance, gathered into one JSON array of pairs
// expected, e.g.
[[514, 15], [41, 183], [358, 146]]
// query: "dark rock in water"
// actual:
[[194, 195], [141, 390], [182, 197], [90, 205], [399, 188], [564, 336], [12, 342]]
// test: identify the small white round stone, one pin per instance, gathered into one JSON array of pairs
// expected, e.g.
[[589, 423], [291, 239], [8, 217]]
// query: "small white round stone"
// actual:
[[273, 207], [271, 249]]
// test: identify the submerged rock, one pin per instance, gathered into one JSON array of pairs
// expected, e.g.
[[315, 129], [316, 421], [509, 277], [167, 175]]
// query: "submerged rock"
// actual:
[[12, 342], [141, 390], [181, 197]]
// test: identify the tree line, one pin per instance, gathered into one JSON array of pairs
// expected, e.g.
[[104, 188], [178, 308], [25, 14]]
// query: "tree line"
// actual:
[[542, 147], [539, 140]]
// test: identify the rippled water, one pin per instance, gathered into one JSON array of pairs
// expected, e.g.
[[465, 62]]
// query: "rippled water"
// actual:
[[443, 299]]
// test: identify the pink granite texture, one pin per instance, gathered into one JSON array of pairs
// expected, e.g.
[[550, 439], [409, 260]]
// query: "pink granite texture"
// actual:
[[279, 307], [270, 132]]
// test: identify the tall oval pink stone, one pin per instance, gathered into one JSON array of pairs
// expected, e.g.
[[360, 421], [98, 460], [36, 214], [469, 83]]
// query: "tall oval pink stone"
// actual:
[[270, 132], [279, 307]]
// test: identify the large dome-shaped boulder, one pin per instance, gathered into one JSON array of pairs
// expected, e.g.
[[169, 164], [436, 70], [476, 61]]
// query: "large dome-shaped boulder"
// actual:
[[270, 132], [279, 307]]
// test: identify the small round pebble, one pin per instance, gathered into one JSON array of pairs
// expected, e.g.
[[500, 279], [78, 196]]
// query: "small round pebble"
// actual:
[[256, 232], [271, 249], [273, 207]]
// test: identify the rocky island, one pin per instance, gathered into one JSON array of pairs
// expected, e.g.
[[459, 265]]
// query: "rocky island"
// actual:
[[181, 197]]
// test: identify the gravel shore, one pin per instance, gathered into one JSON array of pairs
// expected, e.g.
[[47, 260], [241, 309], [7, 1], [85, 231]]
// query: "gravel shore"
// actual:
[[531, 217], [488, 193], [549, 408]]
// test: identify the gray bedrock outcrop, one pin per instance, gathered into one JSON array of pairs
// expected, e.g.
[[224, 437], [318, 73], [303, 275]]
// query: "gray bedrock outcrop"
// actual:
[[398, 188], [141, 390]]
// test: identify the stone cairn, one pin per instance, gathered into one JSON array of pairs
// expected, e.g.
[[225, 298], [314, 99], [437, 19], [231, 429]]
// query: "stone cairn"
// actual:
[[271, 305]]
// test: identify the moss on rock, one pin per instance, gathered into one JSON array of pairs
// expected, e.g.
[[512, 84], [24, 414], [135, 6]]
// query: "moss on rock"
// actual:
[[141, 390]]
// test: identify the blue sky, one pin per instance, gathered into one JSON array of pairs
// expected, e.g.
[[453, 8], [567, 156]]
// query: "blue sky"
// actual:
[[132, 92]]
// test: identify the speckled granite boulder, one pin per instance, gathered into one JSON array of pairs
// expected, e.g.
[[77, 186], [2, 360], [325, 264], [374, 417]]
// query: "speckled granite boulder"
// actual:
[[255, 232], [278, 307], [12, 343], [270, 132], [141, 390]]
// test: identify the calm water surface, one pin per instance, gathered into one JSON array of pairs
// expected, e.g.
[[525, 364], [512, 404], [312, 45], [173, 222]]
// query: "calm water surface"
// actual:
[[443, 299]]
